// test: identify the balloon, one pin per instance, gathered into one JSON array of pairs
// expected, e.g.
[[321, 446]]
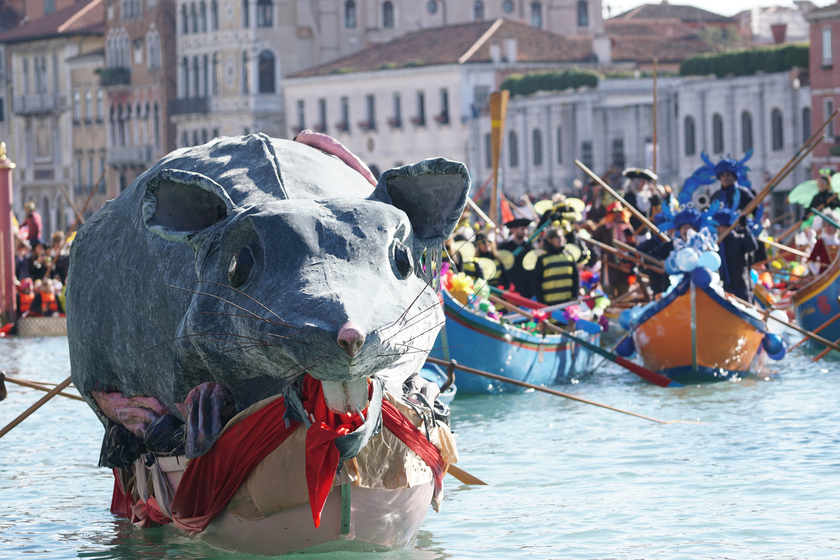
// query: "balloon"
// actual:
[[588, 326], [777, 356], [766, 279], [627, 347], [625, 319], [773, 344], [710, 260], [776, 264], [675, 279], [602, 303], [776, 327], [671, 267], [701, 276], [754, 276], [687, 259]]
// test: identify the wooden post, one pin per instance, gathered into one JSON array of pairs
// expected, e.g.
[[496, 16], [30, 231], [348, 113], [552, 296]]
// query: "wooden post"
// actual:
[[498, 114], [8, 303], [654, 114]]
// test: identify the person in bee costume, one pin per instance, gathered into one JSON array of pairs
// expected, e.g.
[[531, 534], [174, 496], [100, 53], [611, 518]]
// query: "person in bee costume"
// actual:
[[564, 216], [520, 279], [557, 279], [485, 249]]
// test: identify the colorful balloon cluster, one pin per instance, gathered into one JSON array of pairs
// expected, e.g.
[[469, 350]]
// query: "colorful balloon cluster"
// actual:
[[698, 256]]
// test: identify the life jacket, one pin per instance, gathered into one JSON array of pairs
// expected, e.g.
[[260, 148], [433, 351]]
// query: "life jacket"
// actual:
[[25, 302], [48, 302], [557, 282]]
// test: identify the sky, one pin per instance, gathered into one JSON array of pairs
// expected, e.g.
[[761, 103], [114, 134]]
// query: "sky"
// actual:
[[724, 7]]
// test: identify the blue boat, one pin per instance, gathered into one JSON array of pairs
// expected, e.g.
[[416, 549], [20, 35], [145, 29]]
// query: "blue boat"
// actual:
[[504, 349], [816, 303]]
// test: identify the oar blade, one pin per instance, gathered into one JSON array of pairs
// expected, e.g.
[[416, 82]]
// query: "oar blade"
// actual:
[[646, 374]]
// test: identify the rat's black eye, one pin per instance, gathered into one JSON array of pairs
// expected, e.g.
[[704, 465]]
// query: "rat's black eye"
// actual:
[[403, 259], [240, 267]]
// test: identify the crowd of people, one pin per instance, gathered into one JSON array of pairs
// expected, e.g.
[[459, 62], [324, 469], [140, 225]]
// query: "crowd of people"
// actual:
[[40, 268], [551, 245]]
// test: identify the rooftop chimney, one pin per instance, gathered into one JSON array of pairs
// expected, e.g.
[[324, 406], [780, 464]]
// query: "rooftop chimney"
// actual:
[[496, 53], [510, 50], [602, 48]]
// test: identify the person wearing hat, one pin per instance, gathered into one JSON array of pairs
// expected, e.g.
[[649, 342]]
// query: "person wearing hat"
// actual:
[[522, 280], [32, 222], [685, 221], [735, 254], [485, 249], [726, 171], [825, 196], [641, 193], [616, 226], [557, 279]]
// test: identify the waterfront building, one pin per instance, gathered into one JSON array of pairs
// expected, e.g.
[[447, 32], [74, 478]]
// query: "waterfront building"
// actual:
[[41, 132], [825, 81]]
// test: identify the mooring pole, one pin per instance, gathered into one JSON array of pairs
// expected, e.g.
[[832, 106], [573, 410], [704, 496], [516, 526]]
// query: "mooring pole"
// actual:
[[7, 244]]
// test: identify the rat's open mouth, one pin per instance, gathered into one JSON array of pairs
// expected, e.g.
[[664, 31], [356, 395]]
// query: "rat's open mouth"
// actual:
[[346, 397]]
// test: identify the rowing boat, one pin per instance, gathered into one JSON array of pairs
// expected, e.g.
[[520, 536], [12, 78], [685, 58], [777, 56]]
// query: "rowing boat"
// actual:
[[727, 344], [473, 339], [816, 303]]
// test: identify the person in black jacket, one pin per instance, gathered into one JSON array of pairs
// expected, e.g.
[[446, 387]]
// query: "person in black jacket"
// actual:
[[735, 253], [726, 171], [822, 199]]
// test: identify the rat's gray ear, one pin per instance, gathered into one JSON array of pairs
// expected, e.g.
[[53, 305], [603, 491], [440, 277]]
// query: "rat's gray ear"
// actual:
[[177, 204], [433, 194]]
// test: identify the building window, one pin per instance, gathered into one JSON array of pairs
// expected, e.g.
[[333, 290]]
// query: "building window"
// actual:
[[205, 76], [214, 16], [25, 77], [488, 151], [827, 55], [322, 115], [301, 115], [618, 158], [583, 13], [204, 136], [195, 80], [396, 121], [507, 6], [443, 118], [157, 126], [49, 6], [90, 173], [266, 71], [828, 109], [478, 10], [717, 133], [538, 148], [350, 14], [431, 5], [370, 104], [420, 119], [185, 22], [88, 107], [246, 82], [193, 18], [559, 144], [536, 14], [215, 78], [690, 139], [806, 124], [513, 149], [387, 14], [586, 153], [202, 17], [195, 138], [2, 109], [746, 131], [345, 114], [265, 13], [777, 128], [246, 18], [77, 107]]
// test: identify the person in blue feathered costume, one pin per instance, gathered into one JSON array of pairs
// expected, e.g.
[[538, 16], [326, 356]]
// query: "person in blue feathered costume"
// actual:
[[736, 252], [678, 225], [726, 171]]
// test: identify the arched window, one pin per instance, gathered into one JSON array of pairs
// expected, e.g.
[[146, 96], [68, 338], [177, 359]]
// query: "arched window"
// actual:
[[157, 126], [204, 136], [583, 13], [185, 77], [478, 10], [536, 14], [746, 131], [265, 13], [246, 16], [25, 76], [778, 129], [214, 16], [488, 151], [266, 72], [559, 144], [806, 124], [215, 78], [350, 14], [690, 138], [246, 82], [717, 134], [387, 14], [513, 149], [100, 105], [202, 17], [77, 107], [205, 76], [538, 149], [88, 106], [193, 18]]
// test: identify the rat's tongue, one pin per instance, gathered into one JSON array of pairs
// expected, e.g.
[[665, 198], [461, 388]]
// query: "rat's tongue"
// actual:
[[346, 397]]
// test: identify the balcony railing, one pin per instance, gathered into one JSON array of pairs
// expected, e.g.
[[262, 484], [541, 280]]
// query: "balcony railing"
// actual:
[[114, 76], [40, 103], [130, 155], [189, 105]]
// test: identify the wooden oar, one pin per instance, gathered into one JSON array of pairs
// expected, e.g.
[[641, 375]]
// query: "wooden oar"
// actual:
[[481, 214], [31, 385], [796, 226], [465, 477], [542, 389], [633, 210], [826, 218], [785, 248], [797, 328], [23, 416], [641, 371], [618, 253]]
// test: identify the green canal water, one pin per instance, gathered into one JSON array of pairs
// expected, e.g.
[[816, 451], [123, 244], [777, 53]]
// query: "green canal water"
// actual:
[[759, 478]]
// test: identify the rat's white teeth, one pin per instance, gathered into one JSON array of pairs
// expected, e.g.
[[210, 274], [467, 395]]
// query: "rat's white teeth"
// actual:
[[346, 397]]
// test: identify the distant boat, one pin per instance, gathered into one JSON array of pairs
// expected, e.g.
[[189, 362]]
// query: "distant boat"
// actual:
[[816, 302], [728, 341], [42, 326], [504, 349]]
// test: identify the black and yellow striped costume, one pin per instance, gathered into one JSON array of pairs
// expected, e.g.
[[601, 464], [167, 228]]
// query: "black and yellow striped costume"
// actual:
[[556, 278]]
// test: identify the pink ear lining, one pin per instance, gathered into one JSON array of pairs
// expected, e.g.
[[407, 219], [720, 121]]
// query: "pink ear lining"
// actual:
[[331, 146]]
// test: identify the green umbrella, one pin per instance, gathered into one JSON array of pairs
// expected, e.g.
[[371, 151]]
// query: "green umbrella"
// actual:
[[803, 193]]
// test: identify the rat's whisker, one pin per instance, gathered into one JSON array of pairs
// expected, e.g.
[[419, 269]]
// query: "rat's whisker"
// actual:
[[254, 316], [249, 297], [202, 334]]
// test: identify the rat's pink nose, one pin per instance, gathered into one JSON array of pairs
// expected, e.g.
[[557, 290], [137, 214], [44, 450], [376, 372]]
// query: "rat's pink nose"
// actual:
[[351, 338]]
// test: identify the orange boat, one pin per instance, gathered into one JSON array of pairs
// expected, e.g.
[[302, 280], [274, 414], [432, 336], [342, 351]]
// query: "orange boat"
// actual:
[[726, 343]]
